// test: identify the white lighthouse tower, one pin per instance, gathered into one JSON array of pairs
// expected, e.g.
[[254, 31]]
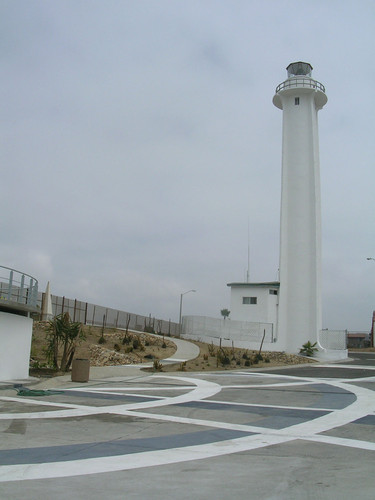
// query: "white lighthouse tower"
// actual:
[[300, 317]]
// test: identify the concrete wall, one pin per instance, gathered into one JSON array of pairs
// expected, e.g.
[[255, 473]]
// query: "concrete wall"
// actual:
[[238, 333], [15, 344]]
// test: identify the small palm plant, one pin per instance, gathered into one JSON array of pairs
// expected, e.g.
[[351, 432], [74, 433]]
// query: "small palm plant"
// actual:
[[63, 336], [308, 349]]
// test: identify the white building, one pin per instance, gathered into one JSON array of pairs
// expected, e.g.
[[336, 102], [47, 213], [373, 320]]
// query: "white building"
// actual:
[[256, 302], [18, 299]]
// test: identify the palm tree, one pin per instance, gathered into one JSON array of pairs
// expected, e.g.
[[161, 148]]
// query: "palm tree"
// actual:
[[225, 313]]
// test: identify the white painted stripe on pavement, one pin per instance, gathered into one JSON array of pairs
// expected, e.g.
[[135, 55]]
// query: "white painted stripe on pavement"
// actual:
[[136, 460], [351, 443]]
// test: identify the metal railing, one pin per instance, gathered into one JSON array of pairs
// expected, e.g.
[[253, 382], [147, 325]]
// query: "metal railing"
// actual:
[[300, 82], [18, 289]]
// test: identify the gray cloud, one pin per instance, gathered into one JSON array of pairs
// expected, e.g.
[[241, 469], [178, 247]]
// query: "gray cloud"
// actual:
[[139, 139]]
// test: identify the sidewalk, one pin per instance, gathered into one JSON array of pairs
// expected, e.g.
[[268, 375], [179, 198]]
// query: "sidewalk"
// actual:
[[185, 351]]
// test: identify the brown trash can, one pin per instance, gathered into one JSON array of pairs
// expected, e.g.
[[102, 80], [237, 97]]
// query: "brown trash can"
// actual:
[[80, 370]]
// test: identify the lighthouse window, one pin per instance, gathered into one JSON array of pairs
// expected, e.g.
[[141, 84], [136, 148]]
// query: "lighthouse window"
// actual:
[[296, 101], [249, 300]]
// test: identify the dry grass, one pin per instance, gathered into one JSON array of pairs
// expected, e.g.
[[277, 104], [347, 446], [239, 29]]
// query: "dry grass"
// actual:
[[209, 361], [114, 352]]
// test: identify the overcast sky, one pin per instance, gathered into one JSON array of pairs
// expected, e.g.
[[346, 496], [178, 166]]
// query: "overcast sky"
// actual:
[[139, 142]]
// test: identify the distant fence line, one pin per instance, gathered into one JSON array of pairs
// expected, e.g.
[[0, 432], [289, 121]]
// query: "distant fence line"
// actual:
[[92, 314]]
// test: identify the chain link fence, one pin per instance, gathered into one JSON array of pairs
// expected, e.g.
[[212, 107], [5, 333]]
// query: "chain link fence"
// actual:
[[92, 314], [333, 339]]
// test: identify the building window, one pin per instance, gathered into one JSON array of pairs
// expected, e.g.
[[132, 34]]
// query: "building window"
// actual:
[[296, 101], [273, 292], [249, 300]]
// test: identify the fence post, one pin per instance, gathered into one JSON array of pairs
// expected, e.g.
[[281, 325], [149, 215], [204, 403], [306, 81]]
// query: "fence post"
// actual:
[[10, 285]]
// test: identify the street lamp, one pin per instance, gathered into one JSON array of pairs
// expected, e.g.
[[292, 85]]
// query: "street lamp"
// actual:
[[180, 321]]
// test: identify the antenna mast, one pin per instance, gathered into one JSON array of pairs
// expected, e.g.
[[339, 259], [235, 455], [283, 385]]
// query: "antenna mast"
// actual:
[[248, 252]]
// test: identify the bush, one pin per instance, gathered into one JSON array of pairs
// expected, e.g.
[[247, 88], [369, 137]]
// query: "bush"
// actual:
[[158, 366], [211, 350], [126, 339], [223, 357], [308, 349], [64, 335], [117, 348]]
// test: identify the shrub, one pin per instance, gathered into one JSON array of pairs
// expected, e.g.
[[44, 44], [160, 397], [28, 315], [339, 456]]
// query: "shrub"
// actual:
[[126, 339], [223, 357], [308, 349], [117, 348], [64, 335], [158, 366], [211, 349]]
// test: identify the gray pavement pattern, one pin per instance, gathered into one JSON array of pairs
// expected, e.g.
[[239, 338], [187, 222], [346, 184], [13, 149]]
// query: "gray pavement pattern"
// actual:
[[305, 432]]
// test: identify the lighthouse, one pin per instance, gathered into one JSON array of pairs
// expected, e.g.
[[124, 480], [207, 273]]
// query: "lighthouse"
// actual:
[[300, 97]]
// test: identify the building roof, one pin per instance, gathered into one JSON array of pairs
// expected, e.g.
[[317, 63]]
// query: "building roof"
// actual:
[[266, 284]]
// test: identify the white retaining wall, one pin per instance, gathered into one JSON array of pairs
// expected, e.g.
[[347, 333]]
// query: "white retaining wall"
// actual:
[[332, 345], [238, 333], [15, 344]]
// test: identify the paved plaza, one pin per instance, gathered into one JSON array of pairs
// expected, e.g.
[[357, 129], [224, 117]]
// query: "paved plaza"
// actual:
[[305, 432]]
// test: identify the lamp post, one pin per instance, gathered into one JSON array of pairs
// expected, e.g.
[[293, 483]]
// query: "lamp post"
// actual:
[[373, 318], [180, 320]]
